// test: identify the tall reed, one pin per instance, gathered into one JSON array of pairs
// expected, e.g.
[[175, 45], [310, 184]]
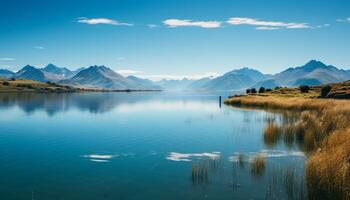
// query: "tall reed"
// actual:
[[322, 130], [272, 134], [257, 166]]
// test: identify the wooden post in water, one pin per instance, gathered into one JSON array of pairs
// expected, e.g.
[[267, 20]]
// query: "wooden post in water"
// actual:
[[220, 101]]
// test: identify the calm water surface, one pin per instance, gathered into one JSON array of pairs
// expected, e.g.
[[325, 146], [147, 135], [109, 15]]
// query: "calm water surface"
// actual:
[[135, 146]]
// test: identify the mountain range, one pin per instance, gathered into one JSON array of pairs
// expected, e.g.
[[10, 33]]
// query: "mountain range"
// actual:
[[235, 79], [103, 77], [58, 72], [312, 73], [5, 73], [49, 73]]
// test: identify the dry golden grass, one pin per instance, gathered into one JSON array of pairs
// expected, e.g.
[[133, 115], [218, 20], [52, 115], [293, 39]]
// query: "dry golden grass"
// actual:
[[289, 103], [328, 169], [323, 130], [19, 85], [23, 85], [272, 134], [289, 135], [293, 92], [338, 91], [257, 166]]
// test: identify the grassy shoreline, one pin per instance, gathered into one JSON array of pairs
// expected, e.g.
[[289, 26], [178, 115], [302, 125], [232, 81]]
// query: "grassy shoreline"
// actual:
[[28, 86], [324, 130]]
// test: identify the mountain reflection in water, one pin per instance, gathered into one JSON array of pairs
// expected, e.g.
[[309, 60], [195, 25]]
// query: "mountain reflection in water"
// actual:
[[53, 103]]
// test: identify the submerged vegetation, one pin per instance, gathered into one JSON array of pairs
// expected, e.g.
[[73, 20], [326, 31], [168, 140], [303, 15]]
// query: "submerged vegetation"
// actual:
[[258, 165], [202, 169], [322, 129], [199, 173], [285, 183], [272, 134], [241, 160]]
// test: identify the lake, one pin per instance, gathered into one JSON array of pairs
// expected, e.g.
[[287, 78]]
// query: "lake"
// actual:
[[140, 145]]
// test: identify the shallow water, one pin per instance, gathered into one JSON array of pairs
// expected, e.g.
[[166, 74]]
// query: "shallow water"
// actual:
[[142, 145]]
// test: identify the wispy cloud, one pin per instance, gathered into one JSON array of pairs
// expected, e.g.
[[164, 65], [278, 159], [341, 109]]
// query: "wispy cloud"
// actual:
[[39, 47], [185, 22], [266, 28], [343, 20], [266, 25], [152, 25], [7, 59], [94, 21], [128, 72], [322, 26]]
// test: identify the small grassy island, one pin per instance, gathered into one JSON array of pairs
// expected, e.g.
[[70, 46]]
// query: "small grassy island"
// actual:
[[30, 86], [321, 127], [23, 85]]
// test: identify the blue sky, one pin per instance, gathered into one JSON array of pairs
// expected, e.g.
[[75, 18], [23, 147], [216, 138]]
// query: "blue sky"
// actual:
[[159, 38]]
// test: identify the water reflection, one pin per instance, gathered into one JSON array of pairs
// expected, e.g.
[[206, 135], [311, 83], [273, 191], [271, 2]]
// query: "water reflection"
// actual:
[[279, 180], [286, 182], [99, 144], [101, 102]]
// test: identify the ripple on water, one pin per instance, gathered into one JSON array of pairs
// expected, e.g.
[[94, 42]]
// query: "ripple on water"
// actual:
[[187, 157]]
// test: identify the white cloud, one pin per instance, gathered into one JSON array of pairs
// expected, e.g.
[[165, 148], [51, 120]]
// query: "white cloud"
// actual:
[[95, 21], [202, 24], [127, 72], [152, 26], [322, 26], [266, 28], [39, 47], [343, 20], [7, 59], [265, 24]]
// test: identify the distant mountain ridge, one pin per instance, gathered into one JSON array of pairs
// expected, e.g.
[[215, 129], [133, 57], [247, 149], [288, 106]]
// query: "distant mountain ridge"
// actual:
[[99, 77], [31, 73], [235, 79], [348, 71], [50, 73], [146, 83], [104, 78], [175, 85], [312, 73], [5, 73], [60, 72]]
